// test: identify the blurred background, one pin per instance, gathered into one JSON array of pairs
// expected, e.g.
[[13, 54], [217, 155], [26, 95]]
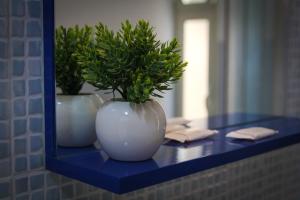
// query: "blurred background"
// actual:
[[243, 55]]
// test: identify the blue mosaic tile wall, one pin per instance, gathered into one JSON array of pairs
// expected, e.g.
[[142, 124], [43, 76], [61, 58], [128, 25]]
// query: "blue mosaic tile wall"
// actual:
[[293, 59], [274, 175]]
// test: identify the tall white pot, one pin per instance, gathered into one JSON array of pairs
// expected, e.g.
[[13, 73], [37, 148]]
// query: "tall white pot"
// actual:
[[130, 131], [75, 119]]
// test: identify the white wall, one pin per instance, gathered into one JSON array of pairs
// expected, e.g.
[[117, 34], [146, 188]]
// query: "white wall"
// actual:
[[112, 12]]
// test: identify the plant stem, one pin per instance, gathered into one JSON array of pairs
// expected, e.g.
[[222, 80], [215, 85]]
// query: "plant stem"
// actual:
[[122, 94]]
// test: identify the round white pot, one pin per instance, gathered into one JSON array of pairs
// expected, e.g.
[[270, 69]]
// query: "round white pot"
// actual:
[[130, 131], [75, 119]]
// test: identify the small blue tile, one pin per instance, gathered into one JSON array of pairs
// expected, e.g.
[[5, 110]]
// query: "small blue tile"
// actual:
[[3, 28], [3, 70], [35, 48], [20, 126], [21, 164], [5, 189], [4, 133], [53, 194], [34, 29], [18, 8], [4, 150], [23, 197], [67, 191], [20, 146], [19, 107], [36, 161], [34, 9], [36, 125], [4, 114], [35, 67], [52, 179], [3, 8], [35, 87], [107, 196], [18, 48], [18, 67], [18, 28], [5, 169], [21, 185], [3, 49], [36, 143], [19, 88], [38, 195], [37, 181], [65, 179], [80, 188], [4, 88], [35, 106]]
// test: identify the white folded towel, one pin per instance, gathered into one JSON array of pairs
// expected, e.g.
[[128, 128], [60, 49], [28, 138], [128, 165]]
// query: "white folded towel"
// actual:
[[174, 127], [253, 133], [190, 134], [178, 121]]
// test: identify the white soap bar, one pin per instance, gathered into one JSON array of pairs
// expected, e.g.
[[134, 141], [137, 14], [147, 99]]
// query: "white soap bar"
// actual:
[[190, 134], [253, 133], [177, 121]]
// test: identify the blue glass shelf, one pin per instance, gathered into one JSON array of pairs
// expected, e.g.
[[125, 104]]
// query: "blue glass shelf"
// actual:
[[173, 159]]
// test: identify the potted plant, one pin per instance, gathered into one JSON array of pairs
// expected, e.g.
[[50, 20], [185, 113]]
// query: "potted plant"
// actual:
[[75, 113], [134, 65]]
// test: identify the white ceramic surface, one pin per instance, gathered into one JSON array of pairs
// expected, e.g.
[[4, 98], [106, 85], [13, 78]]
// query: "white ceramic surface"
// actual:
[[75, 119], [129, 131]]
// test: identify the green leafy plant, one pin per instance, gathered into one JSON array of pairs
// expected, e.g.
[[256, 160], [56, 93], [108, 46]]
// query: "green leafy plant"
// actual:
[[69, 41], [131, 62]]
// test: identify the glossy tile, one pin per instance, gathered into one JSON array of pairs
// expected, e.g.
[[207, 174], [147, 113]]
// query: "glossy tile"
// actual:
[[5, 90], [20, 146], [37, 195], [3, 28], [35, 106], [52, 179], [18, 67], [18, 48], [35, 87], [3, 50], [3, 70], [21, 164], [34, 29], [4, 134], [4, 110], [5, 167], [5, 189], [53, 194], [20, 127], [36, 161], [36, 143], [36, 124], [34, 9], [18, 8], [37, 182], [19, 88], [21, 185], [3, 8], [17, 29], [67, 191], [35, 48], [23, 197], [35, 67], [4, 150]]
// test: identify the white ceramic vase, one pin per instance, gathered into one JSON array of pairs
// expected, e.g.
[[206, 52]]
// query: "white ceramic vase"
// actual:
[[129, 131], [75, 119]]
